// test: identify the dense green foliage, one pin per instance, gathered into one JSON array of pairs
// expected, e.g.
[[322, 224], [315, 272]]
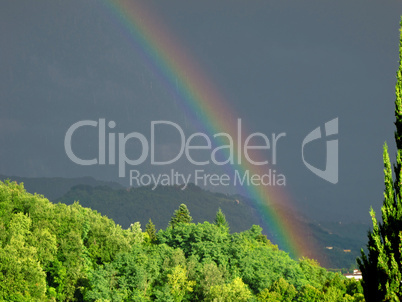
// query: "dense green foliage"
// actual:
[[382, 266], [140, 204], [48, 250], [55, 252]]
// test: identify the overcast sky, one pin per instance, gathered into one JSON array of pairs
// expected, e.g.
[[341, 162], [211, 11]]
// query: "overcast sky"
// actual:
[[282, 66]]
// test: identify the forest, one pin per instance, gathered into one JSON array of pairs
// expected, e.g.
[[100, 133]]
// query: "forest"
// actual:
[[59, 252], [128, 205]]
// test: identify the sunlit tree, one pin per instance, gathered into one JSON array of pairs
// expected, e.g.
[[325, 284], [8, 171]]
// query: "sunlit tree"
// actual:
[[182, 215]]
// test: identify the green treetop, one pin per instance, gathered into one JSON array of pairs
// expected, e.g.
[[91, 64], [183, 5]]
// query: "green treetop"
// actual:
[[182, 215], [151, 231], [220, 220]]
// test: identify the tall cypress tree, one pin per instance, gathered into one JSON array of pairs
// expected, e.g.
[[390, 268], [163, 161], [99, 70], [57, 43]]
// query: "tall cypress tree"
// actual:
[[382, 267]]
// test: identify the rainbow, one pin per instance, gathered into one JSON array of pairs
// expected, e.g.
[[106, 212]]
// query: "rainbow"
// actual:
[[180, 73]]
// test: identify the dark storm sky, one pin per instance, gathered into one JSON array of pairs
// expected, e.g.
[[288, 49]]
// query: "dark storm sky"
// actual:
[[282, 66]]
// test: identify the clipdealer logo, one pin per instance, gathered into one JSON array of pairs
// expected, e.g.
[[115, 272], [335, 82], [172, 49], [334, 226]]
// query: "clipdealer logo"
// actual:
[[112, 151], [330, 173]]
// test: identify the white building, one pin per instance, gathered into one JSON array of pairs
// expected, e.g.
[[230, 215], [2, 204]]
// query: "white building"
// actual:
[[356, 275]]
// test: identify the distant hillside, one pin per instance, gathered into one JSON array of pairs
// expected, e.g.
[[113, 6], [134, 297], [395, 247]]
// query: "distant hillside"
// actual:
[[140, 204], [351, 230], [55, 187], [338, 251]]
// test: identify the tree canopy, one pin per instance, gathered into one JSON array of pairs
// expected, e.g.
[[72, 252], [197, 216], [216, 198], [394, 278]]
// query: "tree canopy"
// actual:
[[55, 252]]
